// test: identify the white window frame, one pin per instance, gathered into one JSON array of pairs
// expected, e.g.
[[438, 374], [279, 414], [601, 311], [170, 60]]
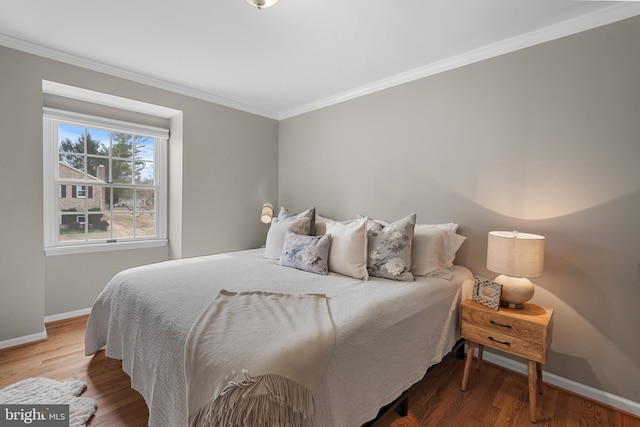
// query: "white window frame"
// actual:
[[52, 246], [81, 191]]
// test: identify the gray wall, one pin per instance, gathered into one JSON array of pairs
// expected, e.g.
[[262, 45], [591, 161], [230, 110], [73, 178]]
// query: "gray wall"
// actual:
[[543, 140], [223, 166]]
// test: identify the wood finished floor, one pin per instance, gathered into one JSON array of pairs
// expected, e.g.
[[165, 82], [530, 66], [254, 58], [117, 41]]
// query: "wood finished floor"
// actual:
[[495, 397]]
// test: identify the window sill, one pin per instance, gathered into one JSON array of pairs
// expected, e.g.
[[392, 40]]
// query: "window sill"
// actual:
[[104, 247]]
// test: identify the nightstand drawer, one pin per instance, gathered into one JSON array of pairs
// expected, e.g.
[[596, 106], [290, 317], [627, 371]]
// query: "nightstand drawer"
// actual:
[[504, 324], [530, 350]]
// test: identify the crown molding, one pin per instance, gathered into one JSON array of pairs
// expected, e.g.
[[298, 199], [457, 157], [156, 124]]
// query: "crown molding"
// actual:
[[596, 19], [617, 12]]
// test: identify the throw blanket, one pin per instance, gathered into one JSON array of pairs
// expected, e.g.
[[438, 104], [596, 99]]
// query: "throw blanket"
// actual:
[[257, 359]]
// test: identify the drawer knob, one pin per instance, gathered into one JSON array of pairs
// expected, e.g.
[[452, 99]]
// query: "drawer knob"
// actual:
[[499, 342], [498, 324]]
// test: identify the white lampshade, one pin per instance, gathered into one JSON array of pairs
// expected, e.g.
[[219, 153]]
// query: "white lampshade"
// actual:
[[516, 257], [267, 213], [515, 254]]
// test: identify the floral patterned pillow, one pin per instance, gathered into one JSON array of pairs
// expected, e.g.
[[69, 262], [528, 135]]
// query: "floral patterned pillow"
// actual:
[[308, 253], [390, 249]]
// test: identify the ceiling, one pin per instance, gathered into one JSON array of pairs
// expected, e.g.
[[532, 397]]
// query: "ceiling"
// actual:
[[296, 56]]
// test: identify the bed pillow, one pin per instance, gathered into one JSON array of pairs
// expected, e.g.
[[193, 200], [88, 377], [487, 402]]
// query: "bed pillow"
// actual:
[[321, 225], [434, 249], [285, 215], [444, 226], [307, 253], [390, 249], [278, 231], [450, 226], [348, 254]]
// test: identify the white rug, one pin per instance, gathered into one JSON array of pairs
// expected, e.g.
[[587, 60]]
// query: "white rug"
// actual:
[[47, 391]]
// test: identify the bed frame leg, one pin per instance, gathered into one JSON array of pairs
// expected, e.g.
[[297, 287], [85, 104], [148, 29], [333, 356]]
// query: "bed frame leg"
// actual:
[[403, 407]]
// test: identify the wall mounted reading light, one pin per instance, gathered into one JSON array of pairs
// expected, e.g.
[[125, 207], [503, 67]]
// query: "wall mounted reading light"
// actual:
[[266, 214], [516, 257]]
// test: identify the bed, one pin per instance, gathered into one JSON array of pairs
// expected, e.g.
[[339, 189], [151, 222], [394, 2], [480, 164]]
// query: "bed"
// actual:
[[387, 332]]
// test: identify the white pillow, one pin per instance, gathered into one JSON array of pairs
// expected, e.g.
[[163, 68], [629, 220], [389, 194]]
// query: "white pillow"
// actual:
[[348, 252], [446, 226], [278, 231], [434, 248], [320, 226]]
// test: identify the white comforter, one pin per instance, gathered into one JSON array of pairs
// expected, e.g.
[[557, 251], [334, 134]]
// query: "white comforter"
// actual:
[[387, 333]]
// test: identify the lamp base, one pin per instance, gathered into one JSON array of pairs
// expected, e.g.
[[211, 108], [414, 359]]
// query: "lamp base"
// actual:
[[515, 291], [507, 304]]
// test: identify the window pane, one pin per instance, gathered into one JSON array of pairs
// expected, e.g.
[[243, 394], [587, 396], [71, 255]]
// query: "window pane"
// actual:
[[95, 197], [98, 142], [70, 139], [144, 173], [121, 145], [145, 200], [122, 225], [144, 147], [145, 225], [98, 167], [71, 166], [98, 225], [68, 200], [70, 228], [123, 199], [121, 171]]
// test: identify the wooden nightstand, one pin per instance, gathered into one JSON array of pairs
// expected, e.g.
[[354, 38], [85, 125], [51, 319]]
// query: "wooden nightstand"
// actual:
[[525, 333]]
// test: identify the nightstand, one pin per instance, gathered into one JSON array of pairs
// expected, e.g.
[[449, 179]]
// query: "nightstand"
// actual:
[[521, 332]]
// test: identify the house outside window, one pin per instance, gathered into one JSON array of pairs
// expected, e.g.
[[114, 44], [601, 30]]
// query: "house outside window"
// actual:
[[104, 183]]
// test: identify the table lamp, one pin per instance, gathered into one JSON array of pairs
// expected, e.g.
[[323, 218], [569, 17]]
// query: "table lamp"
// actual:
[[516, 257]]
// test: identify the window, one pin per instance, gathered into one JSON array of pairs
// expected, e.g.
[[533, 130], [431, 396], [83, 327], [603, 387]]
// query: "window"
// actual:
[[81, 191], [104, 183]]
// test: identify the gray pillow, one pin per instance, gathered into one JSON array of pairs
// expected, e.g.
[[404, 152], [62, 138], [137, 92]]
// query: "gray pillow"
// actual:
[[285, 215], [307, 253], [390, 249]]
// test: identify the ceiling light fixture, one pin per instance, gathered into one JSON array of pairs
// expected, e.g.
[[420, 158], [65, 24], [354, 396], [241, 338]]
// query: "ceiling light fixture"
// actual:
[[262, 3]]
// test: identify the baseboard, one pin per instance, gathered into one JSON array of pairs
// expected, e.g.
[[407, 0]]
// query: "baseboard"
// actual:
[[563, 383], [23, 340], [67, 315], [43, 335]]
